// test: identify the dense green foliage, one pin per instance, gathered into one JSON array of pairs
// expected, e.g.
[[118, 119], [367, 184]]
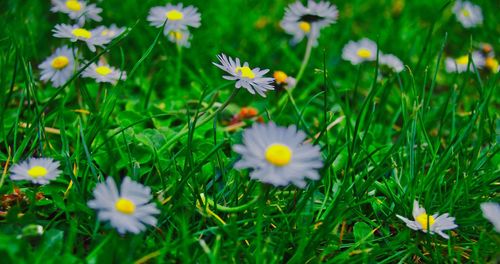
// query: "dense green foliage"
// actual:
[[422, 134]]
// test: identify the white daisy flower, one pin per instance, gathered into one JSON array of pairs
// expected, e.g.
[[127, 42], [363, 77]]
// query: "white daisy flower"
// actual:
[[77, 10], [434, 223], [36, 170], [250, 79], [391, 61], [468, 14], [110, 32], [180, 37], [58, 67], [460, 64], [491, 211], [91, 37], [128, 210], [361, 51], [102, 72], [278, 155], [301, 21], [178, 17]]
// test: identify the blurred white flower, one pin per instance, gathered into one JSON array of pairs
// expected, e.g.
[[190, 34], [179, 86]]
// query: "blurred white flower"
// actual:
[[491, 211], [58, 67], [468, 14], [301, 21], [77, 10], [360, 51], [102, 72]]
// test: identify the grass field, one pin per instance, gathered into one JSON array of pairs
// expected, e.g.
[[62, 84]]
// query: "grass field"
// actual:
[[386, 138]]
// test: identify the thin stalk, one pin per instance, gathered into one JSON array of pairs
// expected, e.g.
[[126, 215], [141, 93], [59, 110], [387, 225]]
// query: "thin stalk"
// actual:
[[178, 67], [305, 60]]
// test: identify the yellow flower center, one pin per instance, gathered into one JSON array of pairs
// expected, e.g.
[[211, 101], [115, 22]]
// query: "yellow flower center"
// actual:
[[174, 15], [364, 53], [278, 154], [463, 60], [103, 70], [422, 220], [81, 33], [73, 5], [59, 62], [492, 64], [37, 171], [176, 34], [305, 26], [465, 12], [245, 72], [280, 76], [105, 32], [125, 206]]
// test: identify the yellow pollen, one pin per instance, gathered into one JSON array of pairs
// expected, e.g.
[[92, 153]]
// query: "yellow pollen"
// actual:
[[59, 62], [37, 171], [103, 70], [304, 26], [465, 12], [422, 220], [174, 15], [245, 72], [364, 53], [81, 33], [73, 5], [464, 60], [125, 206], [176, 34], [278, 154], [492, 64], [280, 76]]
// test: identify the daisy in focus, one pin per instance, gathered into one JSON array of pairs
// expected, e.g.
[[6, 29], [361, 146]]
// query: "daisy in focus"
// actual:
[[103, 73], [392, 62], [36, 170], [58, 67], [301, 21], [178, 18], [278, 155], [110, 32], [434, 223], [74, 33], [491, 211], [283, 80], [77, 10], [360, 51], [127, 209], [180, 38], [460, 64], [251, 79], [468, 14]]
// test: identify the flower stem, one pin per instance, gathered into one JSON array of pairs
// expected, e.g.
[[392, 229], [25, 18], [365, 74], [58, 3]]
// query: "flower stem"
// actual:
[[305, 60], [178, 67]]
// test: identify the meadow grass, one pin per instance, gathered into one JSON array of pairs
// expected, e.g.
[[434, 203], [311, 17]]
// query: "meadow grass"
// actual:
[[421, 134]]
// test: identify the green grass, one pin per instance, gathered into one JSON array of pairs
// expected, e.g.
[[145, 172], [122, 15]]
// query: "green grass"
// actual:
[[423, 134]]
